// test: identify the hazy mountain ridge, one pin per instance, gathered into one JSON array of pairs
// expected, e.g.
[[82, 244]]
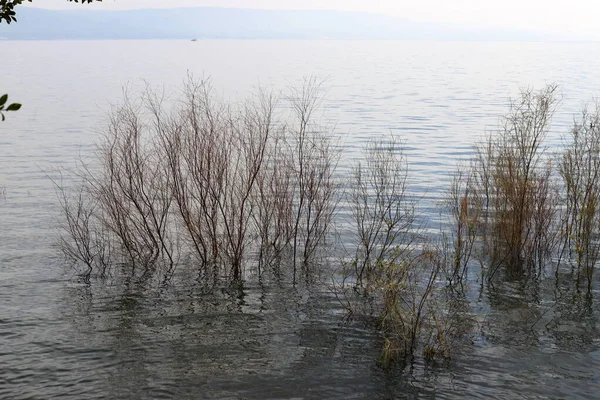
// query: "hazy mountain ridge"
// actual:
[[235, 23]]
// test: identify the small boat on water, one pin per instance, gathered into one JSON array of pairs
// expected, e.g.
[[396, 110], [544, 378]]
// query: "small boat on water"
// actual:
[[194, 40]]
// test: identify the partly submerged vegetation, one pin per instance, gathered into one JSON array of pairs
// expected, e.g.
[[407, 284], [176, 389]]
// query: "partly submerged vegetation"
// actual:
[[205, 184], [237, 189]]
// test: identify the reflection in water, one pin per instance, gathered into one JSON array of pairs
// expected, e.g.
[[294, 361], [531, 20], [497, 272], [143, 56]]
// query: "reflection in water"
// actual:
[[270, 339], [171, 341]]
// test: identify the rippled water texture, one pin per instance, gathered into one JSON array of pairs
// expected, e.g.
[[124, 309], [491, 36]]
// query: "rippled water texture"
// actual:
[[59, 337]]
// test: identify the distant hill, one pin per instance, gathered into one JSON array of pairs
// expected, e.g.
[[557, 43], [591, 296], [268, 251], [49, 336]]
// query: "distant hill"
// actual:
[[228, 23]]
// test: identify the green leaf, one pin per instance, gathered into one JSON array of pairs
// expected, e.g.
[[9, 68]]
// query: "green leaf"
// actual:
[[14, 107], [3, 117], [3, 99]]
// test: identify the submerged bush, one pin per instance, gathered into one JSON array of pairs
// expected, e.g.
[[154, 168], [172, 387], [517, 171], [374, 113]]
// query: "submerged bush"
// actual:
[[465, 210], [580, 170], [511, 179], [382, 212], [393, 269], [523, 215], [213, 180], [410, 314]]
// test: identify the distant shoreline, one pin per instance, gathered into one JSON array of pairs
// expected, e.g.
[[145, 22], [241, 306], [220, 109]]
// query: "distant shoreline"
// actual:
[[249, 24]]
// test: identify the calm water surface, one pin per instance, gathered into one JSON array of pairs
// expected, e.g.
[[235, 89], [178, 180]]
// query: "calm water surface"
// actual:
[[62, 338]]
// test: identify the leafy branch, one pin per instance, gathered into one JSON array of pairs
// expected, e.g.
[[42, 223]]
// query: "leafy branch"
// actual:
[[10, 107]]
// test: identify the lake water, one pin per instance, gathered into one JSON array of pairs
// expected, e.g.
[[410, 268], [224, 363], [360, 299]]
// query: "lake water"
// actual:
[[60, 337]]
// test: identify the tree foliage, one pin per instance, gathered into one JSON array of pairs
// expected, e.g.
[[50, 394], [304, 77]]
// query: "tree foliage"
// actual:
[[7, 8]]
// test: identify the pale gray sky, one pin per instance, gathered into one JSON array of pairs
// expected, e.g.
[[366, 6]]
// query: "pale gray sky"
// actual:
[[579, 17]]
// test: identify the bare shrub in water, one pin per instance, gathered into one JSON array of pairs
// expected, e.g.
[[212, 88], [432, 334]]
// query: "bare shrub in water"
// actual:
[[382, 212], [396, 268], [513, 181], [129, 196], [407, 288], [227, 179], [241, 146], [465, 212], [313, 160], [580, 170], [274, 212], [87, 242]]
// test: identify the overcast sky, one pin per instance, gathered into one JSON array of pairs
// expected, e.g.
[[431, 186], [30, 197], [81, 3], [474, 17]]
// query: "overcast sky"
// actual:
[[579, 17]]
